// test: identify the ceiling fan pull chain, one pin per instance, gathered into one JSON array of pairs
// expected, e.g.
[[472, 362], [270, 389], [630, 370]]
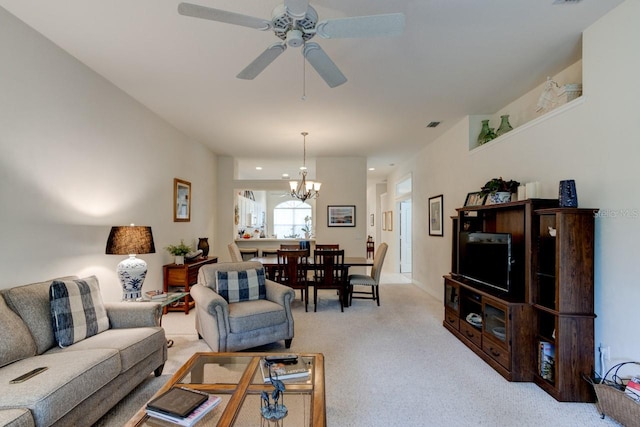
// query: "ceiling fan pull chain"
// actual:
[[304, 79]]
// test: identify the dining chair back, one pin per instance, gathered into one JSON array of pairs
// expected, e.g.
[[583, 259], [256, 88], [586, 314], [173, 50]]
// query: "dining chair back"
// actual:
[[330, 273], [292, 271], [234, 251], [372, 280], [327, 246]]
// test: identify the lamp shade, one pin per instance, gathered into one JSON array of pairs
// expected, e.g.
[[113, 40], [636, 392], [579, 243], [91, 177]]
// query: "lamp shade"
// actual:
[[130, 239]]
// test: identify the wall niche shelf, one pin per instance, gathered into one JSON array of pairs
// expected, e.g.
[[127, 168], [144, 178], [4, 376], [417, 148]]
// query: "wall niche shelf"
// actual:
[[475, 125]]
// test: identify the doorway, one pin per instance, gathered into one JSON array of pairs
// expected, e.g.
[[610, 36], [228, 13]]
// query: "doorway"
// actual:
[[403, 205], [405, 236]]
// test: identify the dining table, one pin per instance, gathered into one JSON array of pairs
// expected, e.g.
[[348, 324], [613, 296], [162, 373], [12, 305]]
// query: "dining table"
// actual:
[[270, 264]]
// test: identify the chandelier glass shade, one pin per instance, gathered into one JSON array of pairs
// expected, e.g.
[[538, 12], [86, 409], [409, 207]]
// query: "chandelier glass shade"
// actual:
[[304, 189]]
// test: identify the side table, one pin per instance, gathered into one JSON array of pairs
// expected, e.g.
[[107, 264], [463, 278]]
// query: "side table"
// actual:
[[170, 299], [183, 276]]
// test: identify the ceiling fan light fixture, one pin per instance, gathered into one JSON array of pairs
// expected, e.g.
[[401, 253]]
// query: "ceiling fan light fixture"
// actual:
[[294, 38]]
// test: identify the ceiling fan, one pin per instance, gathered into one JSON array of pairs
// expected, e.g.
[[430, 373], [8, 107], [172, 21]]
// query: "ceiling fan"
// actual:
[[295, 22]]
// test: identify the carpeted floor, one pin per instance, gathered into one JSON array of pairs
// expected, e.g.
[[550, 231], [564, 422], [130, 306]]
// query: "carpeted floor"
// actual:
[[393, 365]]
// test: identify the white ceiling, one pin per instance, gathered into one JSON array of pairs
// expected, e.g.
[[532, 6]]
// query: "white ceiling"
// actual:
[[455, 58]]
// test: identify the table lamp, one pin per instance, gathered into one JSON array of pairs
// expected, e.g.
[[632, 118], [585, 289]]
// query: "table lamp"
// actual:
[[131, 240]]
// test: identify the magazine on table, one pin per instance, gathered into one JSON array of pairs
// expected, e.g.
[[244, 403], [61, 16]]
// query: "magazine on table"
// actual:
[[285, 371], [194, 416], [155, 295]]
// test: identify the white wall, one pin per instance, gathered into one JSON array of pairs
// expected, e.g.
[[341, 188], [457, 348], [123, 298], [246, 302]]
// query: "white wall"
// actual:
[[597, 143], [77, 156]]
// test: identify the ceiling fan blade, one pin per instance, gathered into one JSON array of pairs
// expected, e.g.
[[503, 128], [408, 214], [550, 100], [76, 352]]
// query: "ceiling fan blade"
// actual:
[[262, 61], [296, 8], [391, 24], [323, 64], [196, 11]]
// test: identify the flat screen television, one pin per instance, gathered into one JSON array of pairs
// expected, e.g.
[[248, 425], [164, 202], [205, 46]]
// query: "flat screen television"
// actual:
[[486, 258]]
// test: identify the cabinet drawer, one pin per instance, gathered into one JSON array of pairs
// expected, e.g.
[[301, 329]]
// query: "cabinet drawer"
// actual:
[[177, 276], [496, 352], [452, 319], [471, 333]]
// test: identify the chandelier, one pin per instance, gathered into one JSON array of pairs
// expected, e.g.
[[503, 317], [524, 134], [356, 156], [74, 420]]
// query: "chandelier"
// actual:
[[304, 189]]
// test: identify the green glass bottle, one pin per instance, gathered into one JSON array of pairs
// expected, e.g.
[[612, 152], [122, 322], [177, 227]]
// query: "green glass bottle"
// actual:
[[505, 126], [482, 137]]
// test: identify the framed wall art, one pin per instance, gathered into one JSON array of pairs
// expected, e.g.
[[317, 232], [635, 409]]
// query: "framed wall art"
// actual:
[[181, 200], [341, 216], [435, 216], [475, 199]]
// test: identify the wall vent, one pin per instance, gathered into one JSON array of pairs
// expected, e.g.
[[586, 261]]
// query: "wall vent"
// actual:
[[566, 1], [433, 124]]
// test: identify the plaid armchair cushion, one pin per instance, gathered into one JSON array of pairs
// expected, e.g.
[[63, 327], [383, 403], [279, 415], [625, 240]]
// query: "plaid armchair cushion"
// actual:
[[243, 285]]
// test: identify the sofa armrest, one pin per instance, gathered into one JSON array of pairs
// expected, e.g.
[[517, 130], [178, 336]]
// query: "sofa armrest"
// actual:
[[279, 293], [133, 314]]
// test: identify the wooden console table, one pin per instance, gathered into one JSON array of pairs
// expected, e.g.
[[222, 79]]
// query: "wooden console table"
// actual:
[[183, 276]]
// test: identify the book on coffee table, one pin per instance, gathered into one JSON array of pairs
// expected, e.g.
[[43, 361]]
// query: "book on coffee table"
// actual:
[[285, 371], [194, 416]]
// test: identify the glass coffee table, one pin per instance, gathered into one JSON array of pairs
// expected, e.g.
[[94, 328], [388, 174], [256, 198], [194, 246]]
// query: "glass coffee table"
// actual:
[[237, 379]]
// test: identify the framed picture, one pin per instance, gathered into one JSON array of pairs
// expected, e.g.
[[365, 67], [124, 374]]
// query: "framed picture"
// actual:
[[435, 216], [389, 220], [371, 221], [384, 221], [181, 200], [475, 199], [341, 216]]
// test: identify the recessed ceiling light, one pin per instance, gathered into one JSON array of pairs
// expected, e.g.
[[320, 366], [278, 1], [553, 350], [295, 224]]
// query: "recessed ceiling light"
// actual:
[[372, 169], [258, 168], [285, 175]]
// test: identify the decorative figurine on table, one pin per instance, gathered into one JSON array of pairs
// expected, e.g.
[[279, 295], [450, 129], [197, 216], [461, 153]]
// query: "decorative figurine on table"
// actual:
[[273, 412]]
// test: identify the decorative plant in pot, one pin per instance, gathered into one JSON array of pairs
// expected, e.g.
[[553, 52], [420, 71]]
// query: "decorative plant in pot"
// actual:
[[499, 190], [179, 251], [306, 229]]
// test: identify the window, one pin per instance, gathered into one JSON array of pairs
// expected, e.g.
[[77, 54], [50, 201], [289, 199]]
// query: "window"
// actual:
[[289, 219]]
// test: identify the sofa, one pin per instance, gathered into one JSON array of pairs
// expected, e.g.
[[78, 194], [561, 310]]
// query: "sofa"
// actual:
[[231, 319], [85, 378]]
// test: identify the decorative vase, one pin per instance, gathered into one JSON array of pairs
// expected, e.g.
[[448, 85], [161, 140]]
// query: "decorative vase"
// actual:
[[567, 196], [179, 259], [483, 132], [505, 126], [203, 244], [500, 197]]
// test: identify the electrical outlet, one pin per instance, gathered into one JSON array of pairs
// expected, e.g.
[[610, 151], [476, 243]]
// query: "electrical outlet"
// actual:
[[606, 352]]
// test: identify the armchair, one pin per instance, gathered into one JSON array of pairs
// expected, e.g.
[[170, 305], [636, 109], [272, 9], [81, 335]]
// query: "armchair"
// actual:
[[233, 326]]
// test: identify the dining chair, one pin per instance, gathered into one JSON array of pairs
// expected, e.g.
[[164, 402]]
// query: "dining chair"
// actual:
[[292, 271], [330, 273], [287, 247], [234, 251], [372, 280]]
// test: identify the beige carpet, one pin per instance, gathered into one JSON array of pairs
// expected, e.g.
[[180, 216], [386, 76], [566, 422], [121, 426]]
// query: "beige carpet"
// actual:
[[393, 365]]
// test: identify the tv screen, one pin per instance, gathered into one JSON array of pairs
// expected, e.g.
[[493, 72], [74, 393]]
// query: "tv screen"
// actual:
[[486, 258]]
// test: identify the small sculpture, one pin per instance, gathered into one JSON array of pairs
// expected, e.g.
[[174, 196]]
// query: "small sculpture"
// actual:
[[276, 411]]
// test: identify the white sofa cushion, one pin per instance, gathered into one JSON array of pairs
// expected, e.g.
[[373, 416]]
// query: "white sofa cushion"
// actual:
[[77, 310]]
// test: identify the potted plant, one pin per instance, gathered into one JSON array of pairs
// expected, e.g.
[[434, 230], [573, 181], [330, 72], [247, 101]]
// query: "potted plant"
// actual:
[[306, 229], [499, 190], [179, 251]]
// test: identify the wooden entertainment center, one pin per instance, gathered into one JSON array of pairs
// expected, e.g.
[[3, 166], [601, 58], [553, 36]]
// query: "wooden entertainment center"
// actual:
[[542, 328]]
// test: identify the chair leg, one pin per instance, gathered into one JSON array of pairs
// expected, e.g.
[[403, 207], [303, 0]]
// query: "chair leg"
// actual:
[[377, 289], [315, 299], [287, 343]]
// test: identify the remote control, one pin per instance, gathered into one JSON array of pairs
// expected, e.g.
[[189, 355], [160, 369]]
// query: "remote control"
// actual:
[[28, 375], [282, 358]]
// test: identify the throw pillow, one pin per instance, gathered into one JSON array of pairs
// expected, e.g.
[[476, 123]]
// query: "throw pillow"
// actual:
[[244, 285], [15, 337], [77, 310]]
